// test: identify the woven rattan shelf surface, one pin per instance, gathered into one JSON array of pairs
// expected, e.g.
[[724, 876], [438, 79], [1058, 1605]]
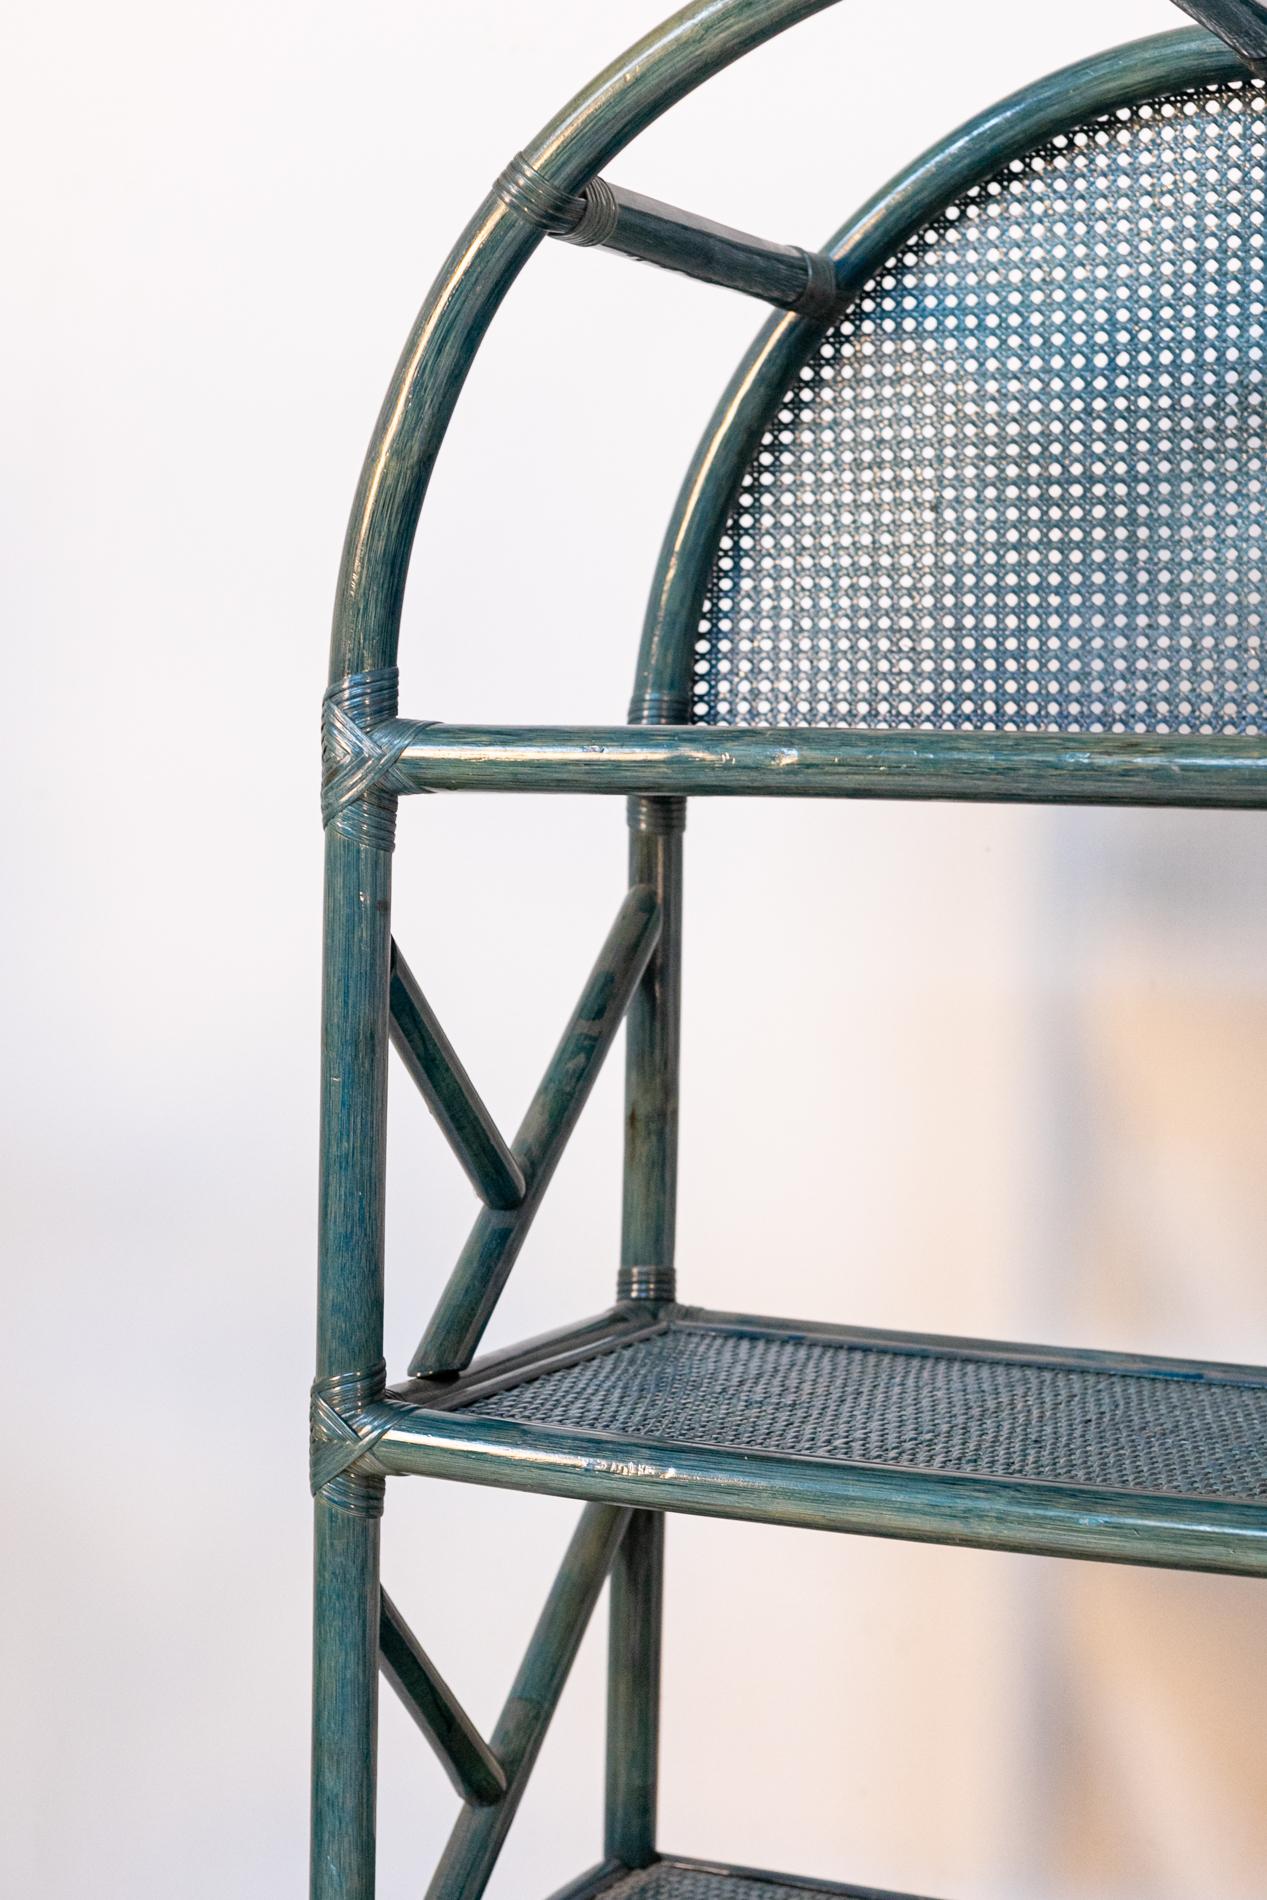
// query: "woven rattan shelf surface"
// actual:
[[1071, 1453], [929, 1408], [686, 1880]]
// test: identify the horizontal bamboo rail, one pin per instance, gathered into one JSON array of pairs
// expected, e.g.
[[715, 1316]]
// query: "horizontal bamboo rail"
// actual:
[[1055, 1520], [476, 1840], [1102, 768], [473, 1289], [467, 1759], [655, 233], [449, 1093]]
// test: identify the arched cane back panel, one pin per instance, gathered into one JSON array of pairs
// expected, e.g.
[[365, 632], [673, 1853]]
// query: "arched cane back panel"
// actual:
[[1020, 485]]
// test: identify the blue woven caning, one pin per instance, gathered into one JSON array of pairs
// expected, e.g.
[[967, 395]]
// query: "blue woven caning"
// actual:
[[931, 1410], [1021, 483]]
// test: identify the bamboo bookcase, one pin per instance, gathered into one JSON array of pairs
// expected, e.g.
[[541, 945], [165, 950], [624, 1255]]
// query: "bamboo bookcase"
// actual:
[[979, 516]]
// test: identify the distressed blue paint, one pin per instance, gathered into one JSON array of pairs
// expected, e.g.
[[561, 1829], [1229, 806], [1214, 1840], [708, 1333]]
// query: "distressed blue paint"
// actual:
[[1099, 768], [428, 1428]]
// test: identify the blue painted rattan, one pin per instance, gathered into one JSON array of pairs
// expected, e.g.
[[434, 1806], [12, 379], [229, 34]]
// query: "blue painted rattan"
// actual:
[[980, 515]]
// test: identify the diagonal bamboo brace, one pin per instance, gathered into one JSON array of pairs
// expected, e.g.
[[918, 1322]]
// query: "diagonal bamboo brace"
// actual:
[[467, 1303], [476, 1840], [449, 1092], [467, 1759]]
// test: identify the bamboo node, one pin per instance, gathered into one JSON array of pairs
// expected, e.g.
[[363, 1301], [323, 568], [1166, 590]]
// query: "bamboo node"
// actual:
[[340, 1440], [654, 706], [646, 1283], [658, 814]]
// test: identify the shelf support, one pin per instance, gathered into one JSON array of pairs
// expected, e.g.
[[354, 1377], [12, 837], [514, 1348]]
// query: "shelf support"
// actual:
[[476, 1840], [633, 1691], [652, 1060], [349, 1355], [484, 1266], [449, 1093], [607, 216], [466, 1757]]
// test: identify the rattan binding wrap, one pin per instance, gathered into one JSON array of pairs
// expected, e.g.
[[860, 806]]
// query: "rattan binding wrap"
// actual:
[[1021, 483], [339, 1442]]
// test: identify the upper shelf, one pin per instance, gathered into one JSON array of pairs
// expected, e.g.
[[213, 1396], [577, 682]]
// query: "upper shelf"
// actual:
[[675, 1879], [1102, 768], [1079, 1454]]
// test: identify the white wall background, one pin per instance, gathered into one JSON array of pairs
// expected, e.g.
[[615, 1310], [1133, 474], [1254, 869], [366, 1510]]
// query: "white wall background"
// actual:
[[979, 1071]]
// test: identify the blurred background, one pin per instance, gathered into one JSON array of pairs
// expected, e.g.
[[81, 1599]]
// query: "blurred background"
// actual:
[[1027, 1046]]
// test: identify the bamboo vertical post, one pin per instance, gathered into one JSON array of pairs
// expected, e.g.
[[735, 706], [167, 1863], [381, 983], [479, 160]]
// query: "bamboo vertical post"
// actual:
[[349, 1341], [647, 1272], [345, 1705], [652, 1058], [633, 1692]]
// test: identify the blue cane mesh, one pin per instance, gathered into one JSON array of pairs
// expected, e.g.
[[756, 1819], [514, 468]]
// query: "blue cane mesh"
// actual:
[[1020, 485]]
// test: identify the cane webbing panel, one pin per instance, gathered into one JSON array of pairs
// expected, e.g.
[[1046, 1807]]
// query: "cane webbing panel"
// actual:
[[667, 1882], [931, 1410], [1020, 485]]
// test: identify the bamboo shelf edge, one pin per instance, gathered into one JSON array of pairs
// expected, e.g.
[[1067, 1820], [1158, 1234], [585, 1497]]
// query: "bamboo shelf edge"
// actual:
[[612, 1881], [814, 1494], [429, 1431], [1213, 770]]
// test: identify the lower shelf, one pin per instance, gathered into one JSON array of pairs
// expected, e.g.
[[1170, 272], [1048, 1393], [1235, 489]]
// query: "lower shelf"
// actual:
[[1081, 1454], [703, 1880]]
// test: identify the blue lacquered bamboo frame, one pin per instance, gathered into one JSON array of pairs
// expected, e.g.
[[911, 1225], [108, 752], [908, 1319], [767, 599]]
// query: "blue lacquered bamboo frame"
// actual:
[[371, 997]]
